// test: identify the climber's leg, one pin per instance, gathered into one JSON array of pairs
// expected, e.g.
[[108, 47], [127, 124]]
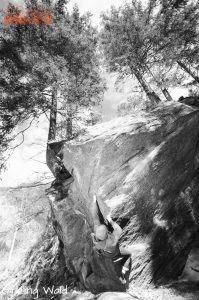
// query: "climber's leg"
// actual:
[[126, 265], [86, 271], [126, 253]]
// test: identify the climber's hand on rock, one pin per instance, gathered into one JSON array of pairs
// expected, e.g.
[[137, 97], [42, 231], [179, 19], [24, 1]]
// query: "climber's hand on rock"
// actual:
[[109, 218], [93, 237], [94, 199]]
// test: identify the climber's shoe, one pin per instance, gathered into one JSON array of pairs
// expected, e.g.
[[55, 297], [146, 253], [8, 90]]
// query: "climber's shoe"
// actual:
[[123, 275], [122, 278], [125, 270]]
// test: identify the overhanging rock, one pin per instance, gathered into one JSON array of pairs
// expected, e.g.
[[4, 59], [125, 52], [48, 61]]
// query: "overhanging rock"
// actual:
[[145, 168]]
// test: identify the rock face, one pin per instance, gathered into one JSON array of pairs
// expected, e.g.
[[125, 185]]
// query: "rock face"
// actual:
[[146, 169]]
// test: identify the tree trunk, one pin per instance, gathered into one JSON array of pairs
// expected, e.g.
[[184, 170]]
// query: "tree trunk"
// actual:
[[53, 117], [153, 97], [186, 69], [50, 159], [164, 90], [167, 94], [69, 122]]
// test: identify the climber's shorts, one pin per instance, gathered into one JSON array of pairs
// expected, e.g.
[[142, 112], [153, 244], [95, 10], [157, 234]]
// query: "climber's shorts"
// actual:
[[116, 257], [113, 255]]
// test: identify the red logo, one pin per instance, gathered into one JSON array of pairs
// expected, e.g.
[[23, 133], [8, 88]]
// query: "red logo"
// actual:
[[36, 16]]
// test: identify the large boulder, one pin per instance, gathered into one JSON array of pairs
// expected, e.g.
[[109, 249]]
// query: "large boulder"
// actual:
[[145, 169]]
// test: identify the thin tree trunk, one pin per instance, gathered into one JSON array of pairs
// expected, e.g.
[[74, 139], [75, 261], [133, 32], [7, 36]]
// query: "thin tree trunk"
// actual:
[[164, 90], [50, 155], [153, 97], [186, 69], [166, 94], [69, 122], [53, 117]]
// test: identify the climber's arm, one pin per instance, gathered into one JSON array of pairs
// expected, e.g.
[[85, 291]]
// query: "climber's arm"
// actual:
[[93, 238], [117, 230]]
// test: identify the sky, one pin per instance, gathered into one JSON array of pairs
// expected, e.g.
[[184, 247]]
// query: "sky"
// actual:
[[28, 160], [96, 7], [4, 3]]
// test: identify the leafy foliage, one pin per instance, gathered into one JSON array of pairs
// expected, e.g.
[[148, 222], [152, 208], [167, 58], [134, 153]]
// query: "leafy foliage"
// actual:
[[149, 40], [127, 41], [47, 68], [175, 40]]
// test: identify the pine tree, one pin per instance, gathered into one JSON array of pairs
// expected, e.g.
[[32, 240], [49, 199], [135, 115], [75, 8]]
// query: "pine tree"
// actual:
[[126, 41], [176, 35], [47, 67]]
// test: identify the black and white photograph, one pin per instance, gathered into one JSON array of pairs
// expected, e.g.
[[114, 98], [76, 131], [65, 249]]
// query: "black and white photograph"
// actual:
[[99, 149]]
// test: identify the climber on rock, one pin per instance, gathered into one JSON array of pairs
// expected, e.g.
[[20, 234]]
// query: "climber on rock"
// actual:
[[106, 240]]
